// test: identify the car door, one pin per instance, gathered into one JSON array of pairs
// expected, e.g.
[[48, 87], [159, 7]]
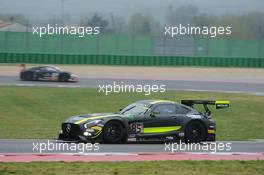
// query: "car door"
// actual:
[[162, 118], [48, 73], [181, 112], [36, 73]]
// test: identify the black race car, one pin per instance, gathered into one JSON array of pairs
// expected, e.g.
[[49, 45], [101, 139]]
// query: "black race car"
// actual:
[[47, 73], [146, 120]]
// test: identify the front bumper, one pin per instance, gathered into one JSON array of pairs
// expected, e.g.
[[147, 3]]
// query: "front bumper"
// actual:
[[73, 78], [74, 132], [75, 138]]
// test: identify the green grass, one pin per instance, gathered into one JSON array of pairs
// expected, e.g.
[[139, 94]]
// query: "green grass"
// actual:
[[125, 168], [37, 112]]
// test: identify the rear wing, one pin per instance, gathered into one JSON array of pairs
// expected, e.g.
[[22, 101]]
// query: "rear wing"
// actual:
[[219, 104]]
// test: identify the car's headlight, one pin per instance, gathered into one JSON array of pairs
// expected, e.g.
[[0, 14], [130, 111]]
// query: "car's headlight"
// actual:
[[91, 123]]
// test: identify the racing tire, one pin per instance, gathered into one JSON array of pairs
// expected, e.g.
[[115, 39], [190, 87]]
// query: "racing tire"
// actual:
[[195, 132], [27, 76], [113, 132], [64, 77]]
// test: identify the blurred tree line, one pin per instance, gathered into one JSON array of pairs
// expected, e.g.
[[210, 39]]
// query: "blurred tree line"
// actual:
[[246, 26]]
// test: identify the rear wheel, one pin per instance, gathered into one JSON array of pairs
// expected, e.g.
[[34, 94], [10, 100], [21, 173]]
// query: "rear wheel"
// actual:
[[113, 132], [27, 76], [195, 132]]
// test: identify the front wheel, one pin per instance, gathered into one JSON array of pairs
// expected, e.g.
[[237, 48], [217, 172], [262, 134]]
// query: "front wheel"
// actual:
[[64, 77], [195, 132], [113, 132]]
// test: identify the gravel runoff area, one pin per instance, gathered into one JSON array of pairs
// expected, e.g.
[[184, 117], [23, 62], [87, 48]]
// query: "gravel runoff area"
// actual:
[[236, 75]]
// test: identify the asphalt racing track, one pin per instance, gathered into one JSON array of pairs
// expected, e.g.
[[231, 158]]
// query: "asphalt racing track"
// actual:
[[21, 150], [25, 152], [238, 87]]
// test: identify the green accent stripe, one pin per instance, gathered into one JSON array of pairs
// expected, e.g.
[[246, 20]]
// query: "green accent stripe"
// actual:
[[91, 118], [161, 129], [97, 134]]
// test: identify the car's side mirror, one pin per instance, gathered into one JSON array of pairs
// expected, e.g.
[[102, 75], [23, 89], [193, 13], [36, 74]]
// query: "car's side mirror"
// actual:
[[153, 114]]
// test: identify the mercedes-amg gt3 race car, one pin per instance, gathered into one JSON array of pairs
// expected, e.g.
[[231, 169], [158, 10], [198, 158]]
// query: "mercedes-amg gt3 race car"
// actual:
[[47, 73], [146, 120]]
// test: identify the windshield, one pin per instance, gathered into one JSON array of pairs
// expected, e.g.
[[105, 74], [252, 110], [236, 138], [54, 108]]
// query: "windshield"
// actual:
[[134, 109], [54, 68]]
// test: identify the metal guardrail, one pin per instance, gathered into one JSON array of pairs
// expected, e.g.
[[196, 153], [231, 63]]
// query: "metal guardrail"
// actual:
[[131, 60]]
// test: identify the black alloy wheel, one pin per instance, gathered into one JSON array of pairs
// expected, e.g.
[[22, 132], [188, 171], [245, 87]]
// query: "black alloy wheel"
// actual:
[[113, 132], [28, 76], [64, 77], [195, 132]]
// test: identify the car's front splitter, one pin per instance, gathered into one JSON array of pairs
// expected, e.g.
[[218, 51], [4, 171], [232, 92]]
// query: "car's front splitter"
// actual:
[[79, 138]]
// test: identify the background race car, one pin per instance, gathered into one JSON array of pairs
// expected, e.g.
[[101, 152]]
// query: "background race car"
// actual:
[[146, 120], [47, 73]]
